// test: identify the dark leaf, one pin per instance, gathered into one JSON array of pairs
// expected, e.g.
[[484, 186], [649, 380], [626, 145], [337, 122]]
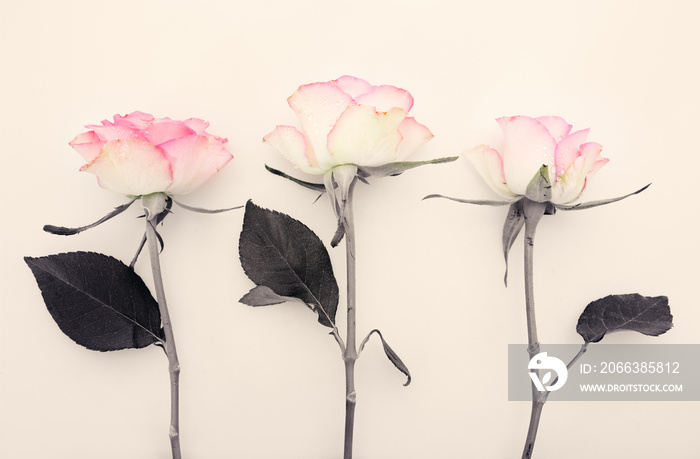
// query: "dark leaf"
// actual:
[[588, 205], [63, 231], [644, 314], [97, 300], [314, 186], [393, 357], [511, 228], [283, 254], [402, 166], [262, 296]]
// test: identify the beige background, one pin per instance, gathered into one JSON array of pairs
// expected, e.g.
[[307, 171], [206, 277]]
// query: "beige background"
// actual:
[[268, 383]]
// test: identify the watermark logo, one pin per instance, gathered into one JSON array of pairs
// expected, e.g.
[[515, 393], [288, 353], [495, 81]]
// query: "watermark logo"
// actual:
[[606, 372], [544, 362]]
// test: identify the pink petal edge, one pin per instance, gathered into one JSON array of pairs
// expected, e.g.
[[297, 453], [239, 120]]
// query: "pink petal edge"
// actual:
[[528, 146]]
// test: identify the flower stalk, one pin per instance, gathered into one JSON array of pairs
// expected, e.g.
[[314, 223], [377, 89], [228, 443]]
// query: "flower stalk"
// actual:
[[169, 345], [533, 212], [350, 352]]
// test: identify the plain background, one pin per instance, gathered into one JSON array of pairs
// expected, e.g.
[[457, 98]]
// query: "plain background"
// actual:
[[268, 383]]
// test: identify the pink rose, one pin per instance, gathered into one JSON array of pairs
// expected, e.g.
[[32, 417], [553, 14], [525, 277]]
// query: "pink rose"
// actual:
[[138, 154], [348, 121], [530, 144]]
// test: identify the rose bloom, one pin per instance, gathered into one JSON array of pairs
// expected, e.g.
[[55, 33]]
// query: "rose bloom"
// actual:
[[531, 143], [348, 121], [138, 154]]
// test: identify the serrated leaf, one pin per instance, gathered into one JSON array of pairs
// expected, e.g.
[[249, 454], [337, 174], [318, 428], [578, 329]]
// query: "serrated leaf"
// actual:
[[391, 355], [643, 314], [97, 300], [515, 220], [283, 254], [400, 167]]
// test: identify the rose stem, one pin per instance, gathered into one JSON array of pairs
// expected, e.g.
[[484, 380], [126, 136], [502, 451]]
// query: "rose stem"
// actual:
[[584, 348], [533, 213], [170, 351], [350, 354]]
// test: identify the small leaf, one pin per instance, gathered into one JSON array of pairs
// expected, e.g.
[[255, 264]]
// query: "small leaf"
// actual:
[[313, 186], [644, 314], [511, 228], [400, 167], [284, 255], [97, 300], [262, 296], [393, 357]]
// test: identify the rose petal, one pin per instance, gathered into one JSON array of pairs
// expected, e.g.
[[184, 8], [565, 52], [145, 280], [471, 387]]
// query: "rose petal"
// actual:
[[197, 125], [166, 130], [489, 164], [596, 167], [138, 120], [556, 126], [385, 97], [592, 152], [131, 167], [413, 136], [574, 180], [194, 160], [117, 132], [104, 123], [88, 145], [318, 106], [353, 86], [365, 137], [528, 146], [568, 150], [292, 145]]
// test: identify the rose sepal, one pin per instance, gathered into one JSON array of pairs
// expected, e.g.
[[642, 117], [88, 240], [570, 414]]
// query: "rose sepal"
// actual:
[[540, 187], [399, 167], [338, 182], [515, 219], [310, 185], [551, 207], [602, 202], [478, 202], [386, 170], [65, 231]]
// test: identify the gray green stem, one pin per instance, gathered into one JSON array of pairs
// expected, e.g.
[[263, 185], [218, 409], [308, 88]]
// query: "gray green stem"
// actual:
[[169, 345], [350, 354], [533, 213]]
